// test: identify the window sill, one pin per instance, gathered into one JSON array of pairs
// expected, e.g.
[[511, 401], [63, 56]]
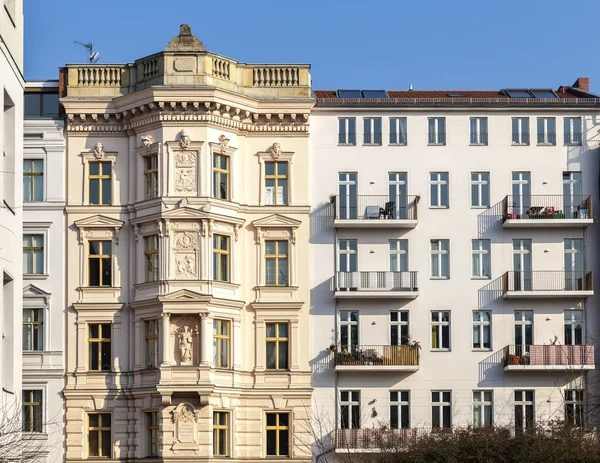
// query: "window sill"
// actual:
[[572, 144], [346, 144], [440, 350], [480, 278], [398, 144], [35, 276], [439, 207], [439, 278], [436, 144], [546, 144], [478, 144], [482, 349], [480, 207], [371, 144], [520, 144]]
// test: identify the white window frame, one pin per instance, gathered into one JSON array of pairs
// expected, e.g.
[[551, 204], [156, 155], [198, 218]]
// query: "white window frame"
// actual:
[[350, 403], [479, 182], [39, 228], [483, 254], [395, 123], [42, 326], [398, 404], [371, 132], [521, 123], [575, 399], [346, 132], [571, 134], [479, 325], [571, 322], [399, 323], [344, 253], [346, 325], [398, 252], [441, 404], [434, 138], [439, 252], [439, 183], [523, 403], [438, 328], [480, 402], [545, 123], [475, 138]]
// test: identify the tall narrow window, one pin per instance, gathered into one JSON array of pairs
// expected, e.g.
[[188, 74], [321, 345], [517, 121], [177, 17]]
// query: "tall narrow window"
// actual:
[[33, 180], [440, 258], [398, 133], [479, 131], [221, 340], [521, 195], [546, 131], [346, 131], [480, 189], [437, 130], [99, 439], [276, 183], [151, 176], [100, 182], [277, 346], [350, 409], [33, 329], [399, 409], [573, 327], [33, 254], [440, 330], [573, 134], [100, 263], [399, 329], [524, 417], [278, 434], [151, 257], [347, 204], [151, 343], [520, 131], [574, 409], [372, 131], [276, 257], [523, 332], [398, 255], [99, 346], [441, 410], [482, 329], [573, 202], [152, 433], [347, 255], [438, 185], [348, 330], [480, 259], [574, 273], [221, 176], [220, 434], [32, 411], [483, 408], [221, 257]]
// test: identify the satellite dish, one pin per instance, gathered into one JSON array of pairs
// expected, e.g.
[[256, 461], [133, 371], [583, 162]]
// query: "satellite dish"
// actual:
[[94, 55]]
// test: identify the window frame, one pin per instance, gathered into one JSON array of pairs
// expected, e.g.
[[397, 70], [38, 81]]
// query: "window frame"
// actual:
[[481, 252], [375, 138], [218, 172], [395, 125], [277, 178], [278, 428], [570, 136], [97, 344], [353, 409], [100, 257], [32, 250], [217, 428], [34, 407], [151, 258], [440, 252], [101, 178], [401, 249], [523, 403], [437, 137], [218, 338], [480, 325], [548, 138], [402, 407], [441, 404], [152, 432], [218, 252], [37, 329], [478, 183], [277, 258], [483, 404], [520, 137], [479, 137], [571, 323], [402, 340], [33, 174], [277, 340], [439, 184], [349, 138], [575, 400], [438, 325], [100, 429], [152, 343], [150, 173]]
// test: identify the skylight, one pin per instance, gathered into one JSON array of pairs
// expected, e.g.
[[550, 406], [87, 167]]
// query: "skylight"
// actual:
[[454, 95], [349, 94], [543, 93], [518, 93], [374, 94], [529, 93]]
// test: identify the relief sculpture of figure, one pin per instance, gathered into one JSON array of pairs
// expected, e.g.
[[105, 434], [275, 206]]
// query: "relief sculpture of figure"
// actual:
[[185, 345]]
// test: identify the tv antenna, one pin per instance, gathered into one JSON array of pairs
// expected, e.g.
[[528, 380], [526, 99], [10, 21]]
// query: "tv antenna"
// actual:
[[94, 55]]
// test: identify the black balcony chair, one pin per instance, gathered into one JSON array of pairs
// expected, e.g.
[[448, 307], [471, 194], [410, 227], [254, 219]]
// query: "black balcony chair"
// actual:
[[388, 211]]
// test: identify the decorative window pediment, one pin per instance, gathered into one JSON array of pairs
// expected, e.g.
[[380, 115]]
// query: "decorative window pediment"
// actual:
[[35, 297], [276, 221], [99, 221], [184, 295]]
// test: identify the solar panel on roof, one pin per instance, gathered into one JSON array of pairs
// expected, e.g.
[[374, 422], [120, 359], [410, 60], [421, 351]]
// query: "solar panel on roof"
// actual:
[[543, 93], [349, 94], [374, 94], [518, 93]]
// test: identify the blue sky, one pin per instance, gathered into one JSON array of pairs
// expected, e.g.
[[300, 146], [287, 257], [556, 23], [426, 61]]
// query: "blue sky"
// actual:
[[433, 44]]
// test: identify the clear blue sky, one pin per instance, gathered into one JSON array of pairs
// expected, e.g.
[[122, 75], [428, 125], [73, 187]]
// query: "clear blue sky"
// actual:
[[433, 44]]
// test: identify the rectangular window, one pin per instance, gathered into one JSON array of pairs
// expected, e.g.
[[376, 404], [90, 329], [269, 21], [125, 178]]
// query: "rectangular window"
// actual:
[[440, 258], [483, 408], [346, 131], [277, 346], [347, 255], [99, 346], [441, 410], [523, 331], [278, 434], [574, 407], [372, 131], [481, 259], [221, 342], [440, 330], [520, 131], [438, 184], [33, 254], [399, 409], [350, 409], [151, 176], [32, 411], [524, 417], [152, 433], [100, 182], [151, 257], [100, 263], [276, 263], [573, 327], [349, 330], [220, 434], [482, 329], [276, 183], [399, 329], [398, 255], [221, 257], [221, 176], [151, 343], [99, 439], [546, 131], [479, 131], [33, 329], [480, 189], [33, 180], [437, 130], [573, 134], [398, 133]]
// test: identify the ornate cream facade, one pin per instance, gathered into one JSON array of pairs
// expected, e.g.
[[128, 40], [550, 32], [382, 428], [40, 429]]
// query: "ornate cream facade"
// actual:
[[187, 258]]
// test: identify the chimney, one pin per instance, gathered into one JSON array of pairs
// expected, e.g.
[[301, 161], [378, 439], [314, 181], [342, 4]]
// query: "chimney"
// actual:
[[582, 83]]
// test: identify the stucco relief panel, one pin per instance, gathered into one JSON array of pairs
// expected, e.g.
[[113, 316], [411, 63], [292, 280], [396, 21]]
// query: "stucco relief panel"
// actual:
[[185, 250], [185, 172]]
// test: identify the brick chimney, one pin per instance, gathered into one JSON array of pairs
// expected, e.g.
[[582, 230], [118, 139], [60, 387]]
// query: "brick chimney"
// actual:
[[583, 83]]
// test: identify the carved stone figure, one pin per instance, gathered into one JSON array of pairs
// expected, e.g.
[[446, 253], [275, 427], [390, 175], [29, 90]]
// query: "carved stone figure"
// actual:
[[275, 150], [185, 266], [184, 180], [184, 139], [223, 142], [185, 241], [146, 141], [185, 346], [99, 150]]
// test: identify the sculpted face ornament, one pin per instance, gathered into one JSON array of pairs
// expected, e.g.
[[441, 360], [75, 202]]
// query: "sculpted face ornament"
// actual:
[[276, 150], [146, 141], [184, 139], [99, 150], [223, 142]]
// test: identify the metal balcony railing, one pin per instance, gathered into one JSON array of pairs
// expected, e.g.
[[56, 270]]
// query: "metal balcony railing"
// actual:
[[549, 280], [398, 138], [376, 438], [372, 139], [376, 281], [347, 139], [437, 138], [544, 207], [479, 138], [377, 355], [376, 207], [531, 354], [573, 138], [546, 138], [520, 139]]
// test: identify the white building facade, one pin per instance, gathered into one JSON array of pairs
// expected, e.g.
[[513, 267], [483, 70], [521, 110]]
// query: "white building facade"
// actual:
[[452, 266]]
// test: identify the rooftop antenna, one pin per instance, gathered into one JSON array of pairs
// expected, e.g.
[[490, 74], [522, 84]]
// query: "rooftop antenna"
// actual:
[[94, 55]]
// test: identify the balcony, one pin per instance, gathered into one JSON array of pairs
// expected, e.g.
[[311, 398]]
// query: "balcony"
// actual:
[[548, 357], [547, 211], [547, 284], [373, 440], [375, 211], [397, 285], [377, 358]]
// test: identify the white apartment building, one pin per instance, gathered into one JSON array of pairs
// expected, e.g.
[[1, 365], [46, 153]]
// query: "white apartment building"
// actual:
[[452, 259], [44, 188], [11, 135]]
